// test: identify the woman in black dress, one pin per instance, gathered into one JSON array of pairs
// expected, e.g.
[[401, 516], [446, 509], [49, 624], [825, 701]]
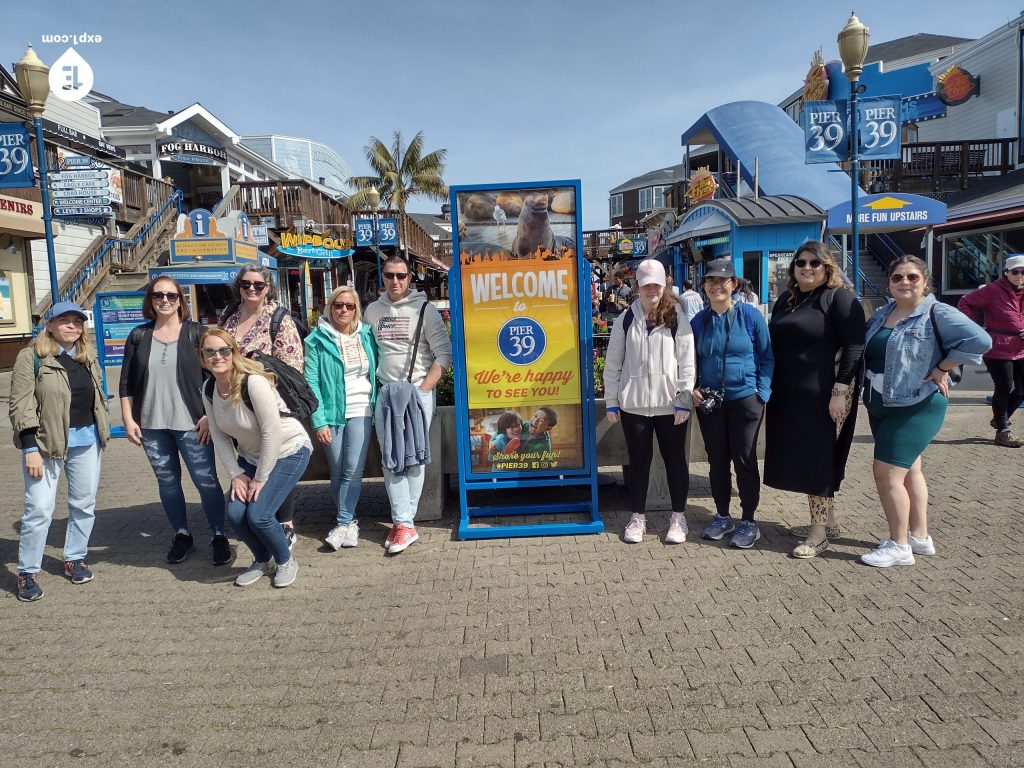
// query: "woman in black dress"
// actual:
[[817, 329]]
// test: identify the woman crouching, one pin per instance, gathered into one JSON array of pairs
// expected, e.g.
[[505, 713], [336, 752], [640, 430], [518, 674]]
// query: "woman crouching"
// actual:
[[264, 450]]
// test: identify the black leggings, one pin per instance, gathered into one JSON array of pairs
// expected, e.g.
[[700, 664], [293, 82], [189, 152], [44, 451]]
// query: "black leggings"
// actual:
[[730, 435], [286, 512], [1008, 377], [639, 432]]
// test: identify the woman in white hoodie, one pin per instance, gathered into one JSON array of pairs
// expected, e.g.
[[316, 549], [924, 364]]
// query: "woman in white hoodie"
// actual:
[[648, 375]]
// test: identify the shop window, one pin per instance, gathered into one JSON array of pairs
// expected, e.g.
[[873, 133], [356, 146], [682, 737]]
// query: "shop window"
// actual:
[[972, 260], [615, 205], [778, 274], [6, 299]]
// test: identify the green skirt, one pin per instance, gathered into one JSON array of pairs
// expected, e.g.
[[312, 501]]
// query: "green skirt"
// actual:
[[902, 433]]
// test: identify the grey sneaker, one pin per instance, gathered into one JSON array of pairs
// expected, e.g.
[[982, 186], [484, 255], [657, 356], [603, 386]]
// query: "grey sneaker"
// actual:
[[286, 573], [255, 572], [746, 534]]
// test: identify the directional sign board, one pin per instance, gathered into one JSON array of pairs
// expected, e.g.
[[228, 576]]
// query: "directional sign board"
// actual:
[[82, 210], [888, 212]]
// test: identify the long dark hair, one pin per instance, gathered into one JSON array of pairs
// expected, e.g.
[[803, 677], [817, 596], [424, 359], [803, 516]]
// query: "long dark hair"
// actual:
[[817, 250], [147, 305]]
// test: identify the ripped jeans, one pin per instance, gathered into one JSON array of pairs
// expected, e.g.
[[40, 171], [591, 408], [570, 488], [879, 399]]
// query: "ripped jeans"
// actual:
[[163, 447]]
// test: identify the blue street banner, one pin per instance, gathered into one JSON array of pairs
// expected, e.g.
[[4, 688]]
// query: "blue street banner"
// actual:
[[879, 127], [15, 157], [825, 125], [888, 212], [387, 231], [382, 232], [364, 232]]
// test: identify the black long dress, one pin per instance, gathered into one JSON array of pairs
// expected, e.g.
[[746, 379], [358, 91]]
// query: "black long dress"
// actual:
[[802, 451]]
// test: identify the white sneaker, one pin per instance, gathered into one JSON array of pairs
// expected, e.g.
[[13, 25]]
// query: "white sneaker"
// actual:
[[343, 536], [636, 529], [921, 546], [889, 553], [677, 529]]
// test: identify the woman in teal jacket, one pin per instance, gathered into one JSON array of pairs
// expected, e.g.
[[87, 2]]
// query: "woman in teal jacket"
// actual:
[[341, 363]]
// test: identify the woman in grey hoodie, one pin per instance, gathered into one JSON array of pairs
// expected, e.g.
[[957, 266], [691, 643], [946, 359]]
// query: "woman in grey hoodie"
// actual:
[[393, 319]]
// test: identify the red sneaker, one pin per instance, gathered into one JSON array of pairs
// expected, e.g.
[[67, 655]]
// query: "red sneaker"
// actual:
[[404, 536], [391, 538]]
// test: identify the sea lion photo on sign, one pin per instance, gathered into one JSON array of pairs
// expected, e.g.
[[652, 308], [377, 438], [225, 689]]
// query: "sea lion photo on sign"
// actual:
[[534, 228]]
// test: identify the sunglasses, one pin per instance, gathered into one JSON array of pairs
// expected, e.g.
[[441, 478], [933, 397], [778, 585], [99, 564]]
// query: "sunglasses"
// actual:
[[813, 263], [171, 296], [209, 352], [256, 285], [344, 305], [897, 277], [395, 275], [716, 280], [1015, 272]]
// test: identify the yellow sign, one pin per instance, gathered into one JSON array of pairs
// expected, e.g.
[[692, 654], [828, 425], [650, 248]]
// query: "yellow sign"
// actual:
[[289, 240], [888, 203], [702, 186]]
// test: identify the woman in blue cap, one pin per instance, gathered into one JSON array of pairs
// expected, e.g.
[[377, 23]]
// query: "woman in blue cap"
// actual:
[[60, 423]]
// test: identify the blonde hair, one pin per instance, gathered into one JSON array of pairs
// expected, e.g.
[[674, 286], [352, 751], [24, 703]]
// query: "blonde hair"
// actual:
[[329, 307], [240, 365], [85, 350]]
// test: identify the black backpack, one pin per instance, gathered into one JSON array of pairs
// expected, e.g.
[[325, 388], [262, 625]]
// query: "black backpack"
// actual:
[[291, 386], [275, 320]]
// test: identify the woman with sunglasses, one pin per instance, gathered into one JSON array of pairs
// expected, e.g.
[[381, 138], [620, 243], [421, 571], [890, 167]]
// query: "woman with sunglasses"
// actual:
[[734, 377], [394, 319], [1002, 305], [263, 450], [815, 322], [261, 324], [912, 343], [162, 410], [59, 414], [341, 365]]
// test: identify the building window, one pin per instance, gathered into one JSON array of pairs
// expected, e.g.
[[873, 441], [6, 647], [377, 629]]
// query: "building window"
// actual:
[[659, 197], [615, 206], [248, 168], [646, 199]]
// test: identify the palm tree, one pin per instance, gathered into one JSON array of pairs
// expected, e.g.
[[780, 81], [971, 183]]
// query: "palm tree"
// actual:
[[402, 173]]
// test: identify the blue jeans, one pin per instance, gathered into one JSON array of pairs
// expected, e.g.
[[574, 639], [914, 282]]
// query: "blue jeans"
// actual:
[[346, 456], [83, 470], [163, 447], [254, 521], [404, 490]]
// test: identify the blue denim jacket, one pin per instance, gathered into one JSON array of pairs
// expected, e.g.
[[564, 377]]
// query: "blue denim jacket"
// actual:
[[913, 351]]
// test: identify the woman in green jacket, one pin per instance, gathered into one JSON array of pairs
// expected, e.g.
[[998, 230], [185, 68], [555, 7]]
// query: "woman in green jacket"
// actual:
[[60, 422], [341, 362]]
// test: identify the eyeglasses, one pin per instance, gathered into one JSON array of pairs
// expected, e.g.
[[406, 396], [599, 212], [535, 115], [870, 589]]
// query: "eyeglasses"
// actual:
[[813, 263], [344, 305], [171, 296], [256, 285], [1015, 272], [395, 275], [209, 352], [898, 277], [716, 280]]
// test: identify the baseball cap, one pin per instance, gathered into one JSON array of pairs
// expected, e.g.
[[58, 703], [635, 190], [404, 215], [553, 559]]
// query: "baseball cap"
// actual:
[[650, 271], [1014, 261], [64, 308], [719, 268]]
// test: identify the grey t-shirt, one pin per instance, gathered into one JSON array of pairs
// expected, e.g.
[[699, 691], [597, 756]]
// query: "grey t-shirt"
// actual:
[[163, 407]]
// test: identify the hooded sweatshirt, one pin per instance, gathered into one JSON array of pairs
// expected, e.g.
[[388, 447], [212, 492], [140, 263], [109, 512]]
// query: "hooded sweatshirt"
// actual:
[[394, 327]]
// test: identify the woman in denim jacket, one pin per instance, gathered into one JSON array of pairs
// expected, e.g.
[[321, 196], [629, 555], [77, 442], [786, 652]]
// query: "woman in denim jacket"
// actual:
[[906, 392]]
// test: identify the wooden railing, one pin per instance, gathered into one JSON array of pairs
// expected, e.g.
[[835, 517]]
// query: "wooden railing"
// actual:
[[941, 166], [289, 200], [107, 254], [599, 243]]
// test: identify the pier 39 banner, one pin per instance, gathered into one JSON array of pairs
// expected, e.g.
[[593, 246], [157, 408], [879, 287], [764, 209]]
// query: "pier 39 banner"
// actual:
[[519, 297]]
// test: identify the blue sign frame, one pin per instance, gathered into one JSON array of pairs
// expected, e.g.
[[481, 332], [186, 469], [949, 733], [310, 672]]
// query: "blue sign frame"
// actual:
[[472, 481], [888, 212], [115, 319], [16, 169]]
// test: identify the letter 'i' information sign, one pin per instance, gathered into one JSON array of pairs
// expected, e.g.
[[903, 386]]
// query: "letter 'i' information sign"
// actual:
[[521, 332]]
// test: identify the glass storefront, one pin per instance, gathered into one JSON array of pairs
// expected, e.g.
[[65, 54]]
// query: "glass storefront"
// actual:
[[974, 258]]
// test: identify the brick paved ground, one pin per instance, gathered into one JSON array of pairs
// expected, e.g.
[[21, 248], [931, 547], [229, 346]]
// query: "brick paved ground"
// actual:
[[553, 651]]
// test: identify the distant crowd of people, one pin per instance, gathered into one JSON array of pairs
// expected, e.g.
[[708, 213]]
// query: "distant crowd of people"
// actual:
[[237, 395]]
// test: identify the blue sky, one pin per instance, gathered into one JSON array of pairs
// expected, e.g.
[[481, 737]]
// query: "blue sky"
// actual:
[[520, 90]]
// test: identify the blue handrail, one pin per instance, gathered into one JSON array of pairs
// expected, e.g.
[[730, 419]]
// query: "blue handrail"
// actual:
[[113, 242]]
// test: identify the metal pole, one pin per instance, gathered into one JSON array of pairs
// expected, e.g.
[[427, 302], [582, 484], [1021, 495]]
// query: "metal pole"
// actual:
[[376, 249], [855, 187], [44, 184]]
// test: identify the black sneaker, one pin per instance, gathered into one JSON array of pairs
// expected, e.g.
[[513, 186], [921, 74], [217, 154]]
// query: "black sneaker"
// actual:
[[221, 550], [78, 571], [180, 547], [28, 590], [289, 533]]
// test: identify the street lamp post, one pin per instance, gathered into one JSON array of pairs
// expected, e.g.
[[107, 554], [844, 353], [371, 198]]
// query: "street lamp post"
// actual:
[[853, 49], [34, 85], [373, 198]]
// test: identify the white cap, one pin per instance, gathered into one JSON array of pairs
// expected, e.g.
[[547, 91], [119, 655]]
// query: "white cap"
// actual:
[[650, 271], [1014, 261]]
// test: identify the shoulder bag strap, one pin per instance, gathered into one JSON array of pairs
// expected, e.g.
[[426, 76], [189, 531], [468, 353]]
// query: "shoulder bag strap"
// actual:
[[416, 342]]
